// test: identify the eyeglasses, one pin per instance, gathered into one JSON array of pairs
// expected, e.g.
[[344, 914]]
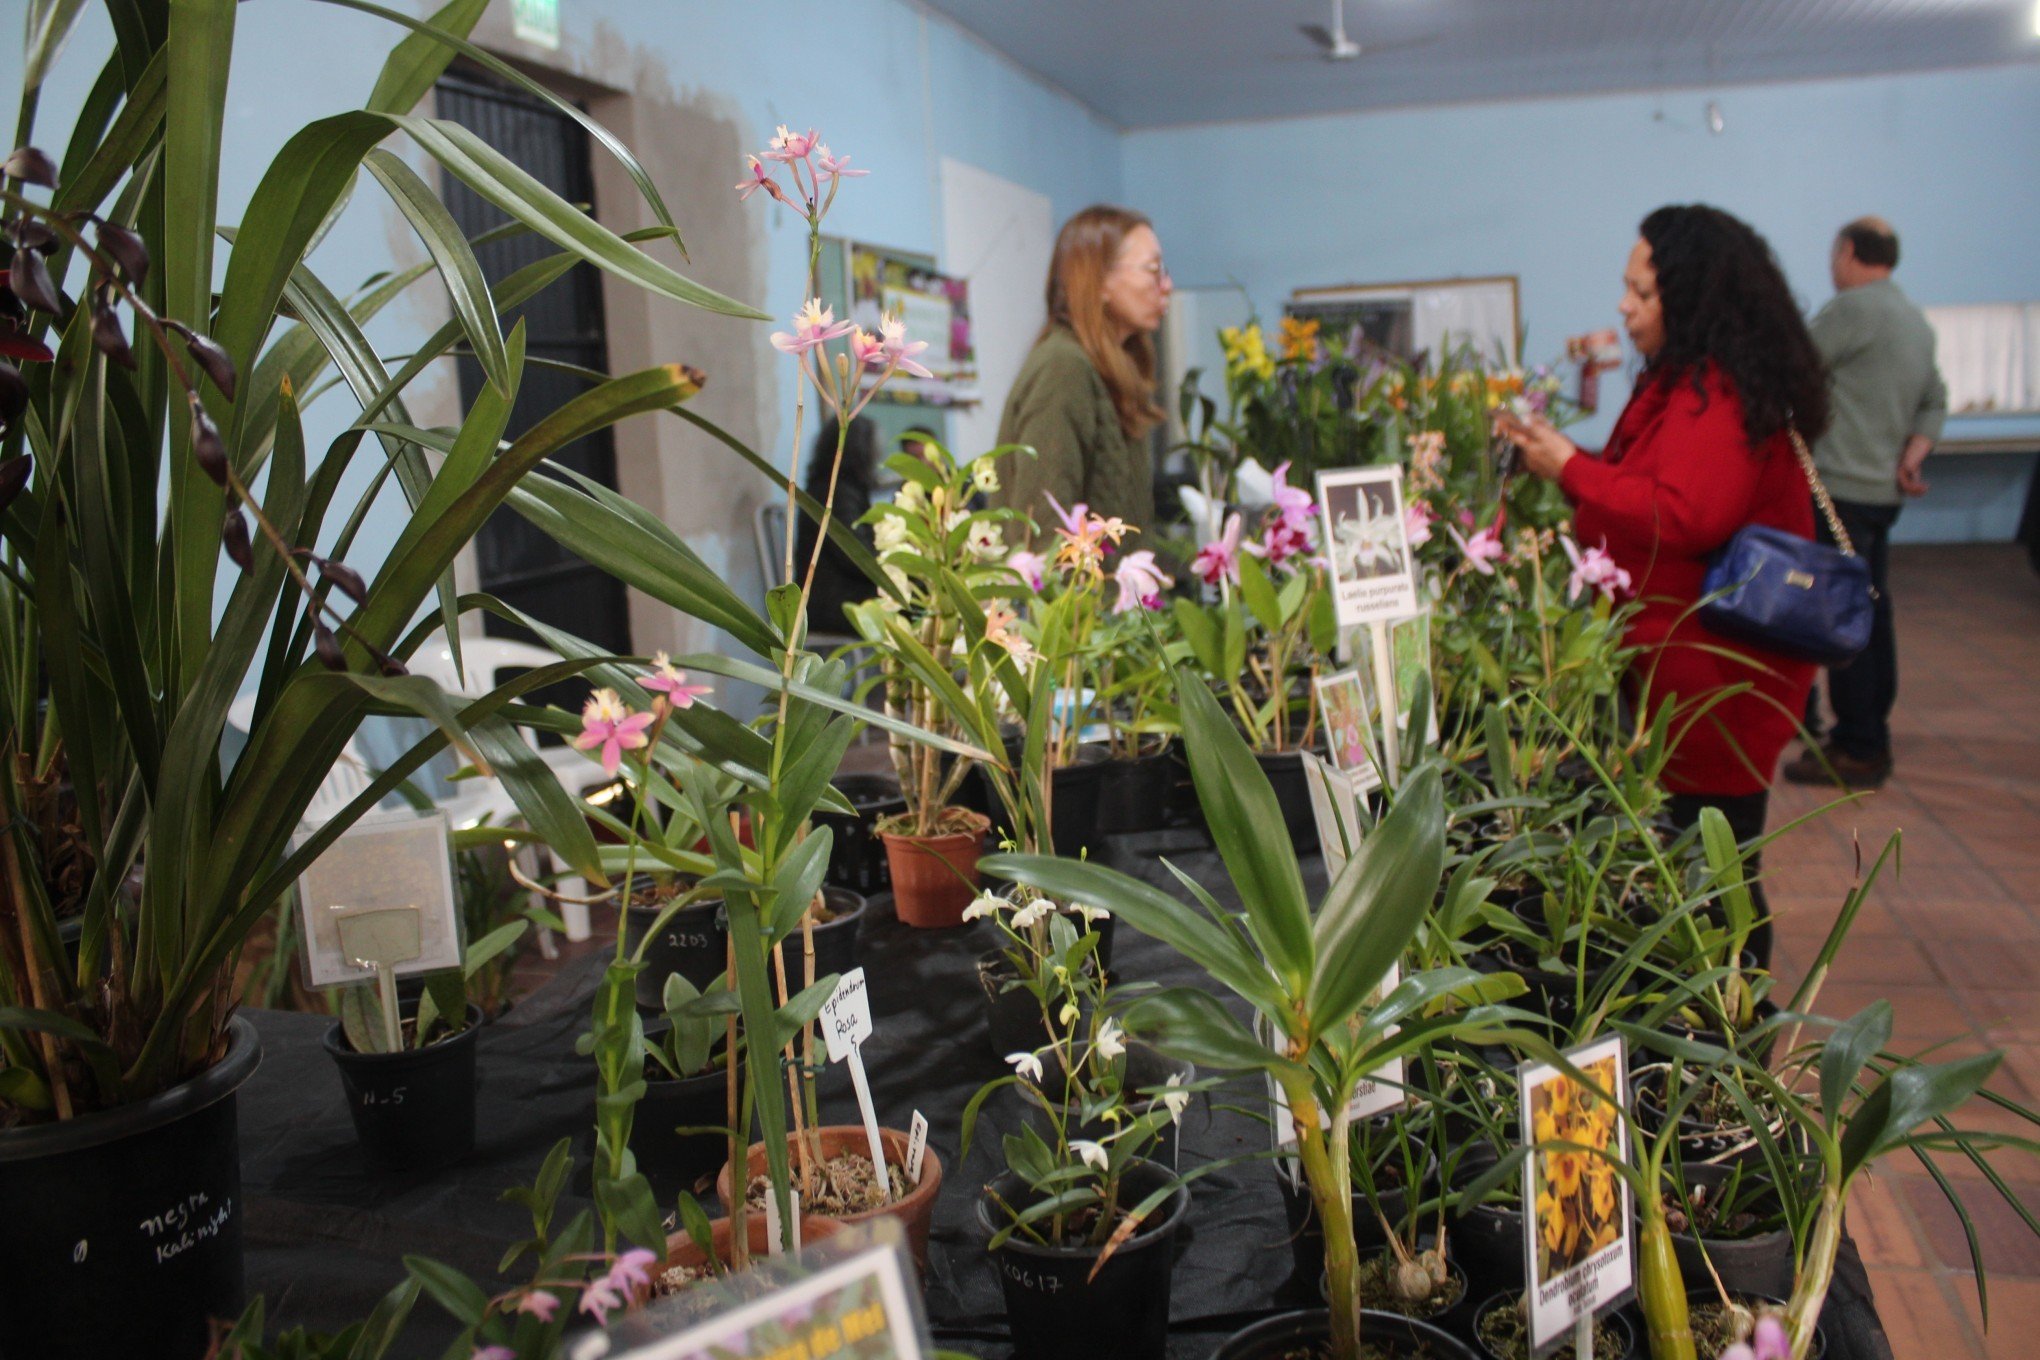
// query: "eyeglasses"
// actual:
[[1153, 267]]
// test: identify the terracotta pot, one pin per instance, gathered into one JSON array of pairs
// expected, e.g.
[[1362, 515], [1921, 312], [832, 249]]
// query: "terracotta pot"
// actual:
[[914, 1211], [682, 1251], [935, 877]]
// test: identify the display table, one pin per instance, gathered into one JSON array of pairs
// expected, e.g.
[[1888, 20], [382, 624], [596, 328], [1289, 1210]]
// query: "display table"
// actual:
[[327, 1234]]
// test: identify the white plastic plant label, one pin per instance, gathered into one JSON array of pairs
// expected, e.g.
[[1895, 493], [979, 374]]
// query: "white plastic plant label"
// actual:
[[1376, 1094], [1366, 541], [917, 1147], [385, 860]]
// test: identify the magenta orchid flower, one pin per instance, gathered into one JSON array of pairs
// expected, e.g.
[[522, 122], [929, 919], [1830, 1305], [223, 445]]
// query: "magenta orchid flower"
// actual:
[[1481, 551], [761, 178], [899, 351], [833, 166], [630, 1275], [1285, 540], [1593, 570], [1418, 517], [791, 146], [540, 1303], [1140, 582], [670, 681], [1031, 567], [607, 724], [813, 325], [1219, 560], [494, 1353]]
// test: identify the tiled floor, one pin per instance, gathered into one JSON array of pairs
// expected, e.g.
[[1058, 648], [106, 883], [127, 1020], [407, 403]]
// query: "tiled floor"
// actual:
[[1953, 940]]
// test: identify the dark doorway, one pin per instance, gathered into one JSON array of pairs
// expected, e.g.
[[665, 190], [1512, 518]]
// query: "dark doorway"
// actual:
[[517, 562]]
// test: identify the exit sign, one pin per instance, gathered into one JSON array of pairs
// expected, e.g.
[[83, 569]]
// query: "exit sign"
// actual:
[[536, 21]]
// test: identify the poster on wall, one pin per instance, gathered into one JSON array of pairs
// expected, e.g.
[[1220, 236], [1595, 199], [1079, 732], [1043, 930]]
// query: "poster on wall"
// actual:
[[1367, 544], [934, 307]]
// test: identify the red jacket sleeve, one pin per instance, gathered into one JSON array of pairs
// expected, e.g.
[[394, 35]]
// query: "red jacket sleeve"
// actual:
[[1689, 490]]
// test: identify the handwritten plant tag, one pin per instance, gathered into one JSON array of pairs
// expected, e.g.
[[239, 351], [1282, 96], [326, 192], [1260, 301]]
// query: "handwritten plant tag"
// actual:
[[1579, 1256], [917, 1147], [846, 1015], [383, 861]]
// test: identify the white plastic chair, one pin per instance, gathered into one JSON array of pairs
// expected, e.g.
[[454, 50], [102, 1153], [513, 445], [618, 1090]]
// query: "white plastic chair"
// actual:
[[346, 781], [482, 658]]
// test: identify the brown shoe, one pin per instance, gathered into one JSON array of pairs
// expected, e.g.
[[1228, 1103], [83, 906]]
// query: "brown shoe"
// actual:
[[1831, 765]]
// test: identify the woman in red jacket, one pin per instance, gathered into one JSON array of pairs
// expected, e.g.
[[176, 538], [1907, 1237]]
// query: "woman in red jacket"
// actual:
[[1700, 451]]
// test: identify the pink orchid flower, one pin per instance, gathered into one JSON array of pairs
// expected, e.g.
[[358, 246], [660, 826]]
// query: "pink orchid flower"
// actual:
[[1291, 502], [866, 349], [1219, 560], [540, 1303], [1482, 551], [813, 325], [1283, 542], [1593, 570], [1074, 518], [1418, 517], [1770, 1341], [833, 166], [1140, 582], [670, 681], [494, 1353], [899, 351], [791, 146], [606, 723], [629, 1276], [1466, 519], [1031, 567], [760, 178]]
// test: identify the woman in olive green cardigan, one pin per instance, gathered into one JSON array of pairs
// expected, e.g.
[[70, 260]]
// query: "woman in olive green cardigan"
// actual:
[[1084, 398]]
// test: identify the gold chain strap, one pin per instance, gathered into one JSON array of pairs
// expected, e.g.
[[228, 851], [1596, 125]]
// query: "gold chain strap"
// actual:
[[1820, 495]]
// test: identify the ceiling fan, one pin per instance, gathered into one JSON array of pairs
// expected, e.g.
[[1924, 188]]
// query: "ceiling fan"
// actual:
[[1334, 42]]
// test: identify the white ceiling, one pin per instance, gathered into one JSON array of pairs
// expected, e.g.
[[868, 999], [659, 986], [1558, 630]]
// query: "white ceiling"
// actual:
[[1152, 63]]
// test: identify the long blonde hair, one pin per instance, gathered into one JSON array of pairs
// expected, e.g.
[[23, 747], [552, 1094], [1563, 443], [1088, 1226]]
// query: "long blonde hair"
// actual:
[[1085, 249]]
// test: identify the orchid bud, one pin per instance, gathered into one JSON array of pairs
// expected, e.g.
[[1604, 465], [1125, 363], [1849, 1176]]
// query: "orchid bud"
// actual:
[[13, 476], [29, 234], [392, 667], [109, 337], [28, 278], [345, 579], [234, 534], [327, 647], [205, 443], [127, 251], [213, 359], [30, 166]]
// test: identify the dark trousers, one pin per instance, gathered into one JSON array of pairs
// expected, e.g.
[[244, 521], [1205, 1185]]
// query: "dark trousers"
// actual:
[[1863, 692], [1746, 814]]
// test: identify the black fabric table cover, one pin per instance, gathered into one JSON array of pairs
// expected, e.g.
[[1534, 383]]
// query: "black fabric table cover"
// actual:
[[327, 1233]]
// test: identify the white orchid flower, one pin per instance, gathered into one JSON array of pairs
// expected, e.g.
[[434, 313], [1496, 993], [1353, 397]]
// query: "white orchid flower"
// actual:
[[1025, 1065], [1174, 1097], [985, 905], [1094, 1154], [1111, 1041]]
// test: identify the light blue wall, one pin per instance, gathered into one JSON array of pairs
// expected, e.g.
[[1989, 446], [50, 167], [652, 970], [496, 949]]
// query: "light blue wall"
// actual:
[[1552, 190], [888, 84]]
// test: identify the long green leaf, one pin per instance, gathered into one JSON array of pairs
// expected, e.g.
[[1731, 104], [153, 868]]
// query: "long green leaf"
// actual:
[[473, 307], [1247, 827], [416, 63], [1378, 902]]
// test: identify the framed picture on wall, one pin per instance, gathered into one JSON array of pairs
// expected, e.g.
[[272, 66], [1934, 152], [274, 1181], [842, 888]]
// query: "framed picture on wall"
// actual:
[[1421, 317]]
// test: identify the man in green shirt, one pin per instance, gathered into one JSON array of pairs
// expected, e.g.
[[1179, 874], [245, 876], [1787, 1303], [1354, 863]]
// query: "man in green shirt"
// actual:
[[1888, 405]]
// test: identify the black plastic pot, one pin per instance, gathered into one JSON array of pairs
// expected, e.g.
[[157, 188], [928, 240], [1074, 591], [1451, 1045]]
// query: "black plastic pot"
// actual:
[[1074, 791], [1280, 1337], [1487, 1240], [1146, 1069], [1455, 1319], [1551, 993], [1055, 1307], [693, 943], [1136, 795], [671, 1160], [1292, 794], [856, 855], [1617, 1322], [123, 1228], [1707, 1298], [835, 939], [413, 1110], [1759, 1266]]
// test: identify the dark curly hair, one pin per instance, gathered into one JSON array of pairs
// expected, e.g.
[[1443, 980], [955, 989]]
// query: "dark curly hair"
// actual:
[[1725, 301]]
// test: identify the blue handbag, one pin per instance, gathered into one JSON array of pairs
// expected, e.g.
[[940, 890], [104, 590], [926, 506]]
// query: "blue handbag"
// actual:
[[1788, 594]]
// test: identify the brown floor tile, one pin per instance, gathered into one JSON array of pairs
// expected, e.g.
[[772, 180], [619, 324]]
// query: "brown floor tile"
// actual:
[[1881, 1222], [1920, 1319], [2014, 1330], [2009, 1247]]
